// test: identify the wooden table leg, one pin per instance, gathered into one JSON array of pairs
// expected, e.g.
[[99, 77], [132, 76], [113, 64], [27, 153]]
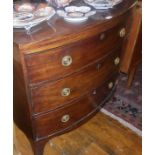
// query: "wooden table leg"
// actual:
[[38, 147], [131, 77]]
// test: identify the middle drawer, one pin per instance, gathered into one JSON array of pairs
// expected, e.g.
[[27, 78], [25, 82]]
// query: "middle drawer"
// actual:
[[56, 94]]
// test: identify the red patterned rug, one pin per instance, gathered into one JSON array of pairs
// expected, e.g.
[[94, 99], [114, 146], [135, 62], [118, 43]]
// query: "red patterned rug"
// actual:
[[126, 104]]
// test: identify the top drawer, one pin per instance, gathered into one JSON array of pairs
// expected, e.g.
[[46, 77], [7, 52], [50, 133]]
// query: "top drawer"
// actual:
[[56, 63]]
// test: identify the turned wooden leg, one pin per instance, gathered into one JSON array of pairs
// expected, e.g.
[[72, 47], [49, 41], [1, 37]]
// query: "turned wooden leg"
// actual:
[[38, 147], [130, 77]]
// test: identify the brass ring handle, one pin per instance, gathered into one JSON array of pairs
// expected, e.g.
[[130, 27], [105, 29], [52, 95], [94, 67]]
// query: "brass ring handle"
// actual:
[[67, 60], [110, 85], [102, 36], [65, 118], [65, 92], [117, 61], [122, 32]]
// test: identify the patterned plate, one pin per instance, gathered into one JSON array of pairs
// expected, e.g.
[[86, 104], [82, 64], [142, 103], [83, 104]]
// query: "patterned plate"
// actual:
[[28, 19]]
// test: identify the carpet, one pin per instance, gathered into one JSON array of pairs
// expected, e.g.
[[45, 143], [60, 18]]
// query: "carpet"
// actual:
[[126, 104]]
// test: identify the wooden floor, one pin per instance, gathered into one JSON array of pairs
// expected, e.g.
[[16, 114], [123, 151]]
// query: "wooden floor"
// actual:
[[99, 136]]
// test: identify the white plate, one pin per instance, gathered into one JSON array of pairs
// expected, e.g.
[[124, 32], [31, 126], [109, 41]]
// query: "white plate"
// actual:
[[102, 4], [76, 14], [39, 16], [24, 7], [99, 2], [83, 9], [29, 24], [44, 12], [22, 16], [76, 20]]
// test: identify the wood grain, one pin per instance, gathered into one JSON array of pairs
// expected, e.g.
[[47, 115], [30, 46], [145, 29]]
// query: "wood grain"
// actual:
[[79, 110], [48, 96], [99, 136], [38, 81], [21, 109], [47, 65], [65, 32], [133, 48]]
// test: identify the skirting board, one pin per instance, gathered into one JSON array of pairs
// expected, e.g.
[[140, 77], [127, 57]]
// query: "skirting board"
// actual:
[[126, 124]]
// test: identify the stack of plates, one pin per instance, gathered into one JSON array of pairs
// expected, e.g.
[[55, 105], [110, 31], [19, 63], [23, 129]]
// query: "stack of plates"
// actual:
[[27, 16], [76, 14], [102, 4]]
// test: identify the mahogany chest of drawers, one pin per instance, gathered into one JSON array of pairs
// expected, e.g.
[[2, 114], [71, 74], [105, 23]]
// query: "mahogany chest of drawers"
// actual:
[[63, 76]]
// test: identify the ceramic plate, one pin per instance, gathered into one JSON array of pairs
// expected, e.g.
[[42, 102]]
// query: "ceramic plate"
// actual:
[[44, 12], [76, 14], [24, 7], [27, 19], [76, 20], [23, 16], [83, 9], [102, 4]]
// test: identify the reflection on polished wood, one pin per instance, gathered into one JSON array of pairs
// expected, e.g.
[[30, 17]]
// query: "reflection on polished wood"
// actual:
[[99, 136]]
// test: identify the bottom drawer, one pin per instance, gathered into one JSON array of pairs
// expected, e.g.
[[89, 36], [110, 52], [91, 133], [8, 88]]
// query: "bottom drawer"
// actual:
[[66, 118]]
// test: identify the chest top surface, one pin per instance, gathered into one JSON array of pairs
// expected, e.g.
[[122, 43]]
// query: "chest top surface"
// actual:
[[57, 32]]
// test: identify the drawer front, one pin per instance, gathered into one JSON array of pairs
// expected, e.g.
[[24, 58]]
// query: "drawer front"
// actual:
[[58, 93], [64, 119], [98, 95], [54, 64]]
